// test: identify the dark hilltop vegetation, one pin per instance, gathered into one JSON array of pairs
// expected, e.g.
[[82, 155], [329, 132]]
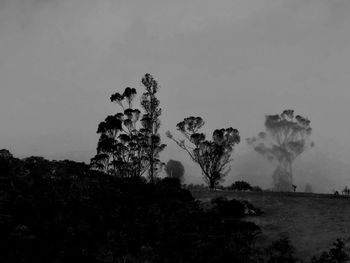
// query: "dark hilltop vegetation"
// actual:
[[118, 209], [61, 211]]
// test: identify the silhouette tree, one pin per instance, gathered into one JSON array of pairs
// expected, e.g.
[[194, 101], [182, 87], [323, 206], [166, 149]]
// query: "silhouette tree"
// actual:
[[120, 148], [129, 143], [346, 191], [212, 156], [151, 124], [175, 169], [285, 138]]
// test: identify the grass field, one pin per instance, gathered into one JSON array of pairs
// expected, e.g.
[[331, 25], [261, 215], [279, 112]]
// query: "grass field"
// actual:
[[312, 221]]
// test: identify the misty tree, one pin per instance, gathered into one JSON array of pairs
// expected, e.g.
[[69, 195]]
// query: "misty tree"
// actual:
[[212, 156], [127, 138], [286, 137], [346, 191], [308, 188], [175, 169]]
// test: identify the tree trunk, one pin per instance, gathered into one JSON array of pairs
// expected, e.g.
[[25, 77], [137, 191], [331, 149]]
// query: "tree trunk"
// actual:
[[151, 172], [212, 184], [282, 177]]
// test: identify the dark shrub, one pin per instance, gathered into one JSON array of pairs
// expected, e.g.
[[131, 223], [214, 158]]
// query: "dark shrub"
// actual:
[[337, 254], [280, 251], [76, 215], [62, 212], [228, 208], [241, 186], [234, 208], [172, 182], [256, 189], [251, 210]]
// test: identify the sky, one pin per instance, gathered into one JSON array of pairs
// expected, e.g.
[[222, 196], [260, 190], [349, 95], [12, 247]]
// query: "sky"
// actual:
[[229, 61]]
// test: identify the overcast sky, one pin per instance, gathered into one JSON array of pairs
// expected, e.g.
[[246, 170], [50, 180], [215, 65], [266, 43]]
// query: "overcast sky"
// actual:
[[229, 61]]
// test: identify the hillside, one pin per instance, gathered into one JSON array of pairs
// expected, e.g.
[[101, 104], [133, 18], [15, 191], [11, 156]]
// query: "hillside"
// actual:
[[312, 221]]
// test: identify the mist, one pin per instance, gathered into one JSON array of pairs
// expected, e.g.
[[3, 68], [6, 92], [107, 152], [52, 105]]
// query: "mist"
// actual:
[[230, 62]]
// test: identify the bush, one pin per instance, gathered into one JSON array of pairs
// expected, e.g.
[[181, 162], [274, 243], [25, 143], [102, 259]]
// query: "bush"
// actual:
[[234, 208], [172, 182], [241, 186], [256, 189], [280, 251], [228, 208], [337, 254]]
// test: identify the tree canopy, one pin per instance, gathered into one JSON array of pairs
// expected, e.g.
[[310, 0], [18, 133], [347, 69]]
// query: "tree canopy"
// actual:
[[286, 136], [175, 169], [129, 143], [213, 156], [151, 124]]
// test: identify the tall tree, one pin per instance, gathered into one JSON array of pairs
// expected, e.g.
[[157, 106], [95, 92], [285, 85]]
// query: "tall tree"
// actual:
[[121, 147], [151, 123], [175, 169], [212, 156], [127, 138], [286, 136]]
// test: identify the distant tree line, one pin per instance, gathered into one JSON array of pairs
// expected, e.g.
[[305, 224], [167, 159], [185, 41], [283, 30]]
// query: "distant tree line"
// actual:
[[130, 143]]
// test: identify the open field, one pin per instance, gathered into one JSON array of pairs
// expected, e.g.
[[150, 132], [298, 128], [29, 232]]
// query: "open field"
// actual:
[[312, 221]]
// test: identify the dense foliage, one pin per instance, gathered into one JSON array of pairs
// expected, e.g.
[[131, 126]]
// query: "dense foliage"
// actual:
[[129, 143]]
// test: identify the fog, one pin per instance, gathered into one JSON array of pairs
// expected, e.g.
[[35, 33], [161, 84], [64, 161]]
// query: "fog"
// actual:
[[230, 62]]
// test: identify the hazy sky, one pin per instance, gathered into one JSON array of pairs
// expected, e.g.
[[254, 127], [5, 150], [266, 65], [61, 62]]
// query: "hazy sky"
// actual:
[[229, 61]]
